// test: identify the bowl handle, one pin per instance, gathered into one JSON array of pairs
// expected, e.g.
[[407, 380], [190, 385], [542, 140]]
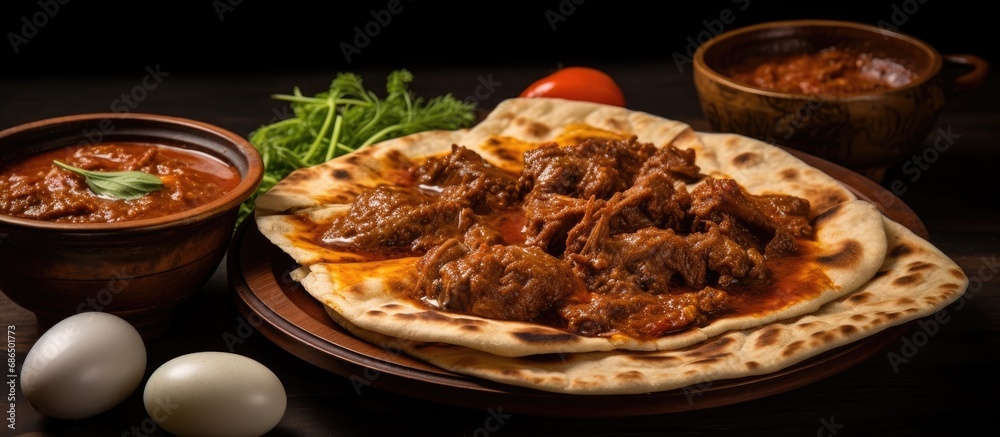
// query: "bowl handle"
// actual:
[[974, 78]]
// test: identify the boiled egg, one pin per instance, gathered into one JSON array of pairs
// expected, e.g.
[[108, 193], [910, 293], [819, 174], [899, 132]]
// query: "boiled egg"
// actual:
[[83, 366], [214, 394]]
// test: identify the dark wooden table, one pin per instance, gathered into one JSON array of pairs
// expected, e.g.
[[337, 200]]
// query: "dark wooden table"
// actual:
[[947, 385]]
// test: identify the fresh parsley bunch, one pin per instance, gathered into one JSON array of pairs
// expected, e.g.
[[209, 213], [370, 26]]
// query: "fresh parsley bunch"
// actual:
[[345, 118]]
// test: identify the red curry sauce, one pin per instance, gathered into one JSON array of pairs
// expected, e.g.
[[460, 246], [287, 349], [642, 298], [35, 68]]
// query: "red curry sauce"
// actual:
[[831, 71], [35, 188]]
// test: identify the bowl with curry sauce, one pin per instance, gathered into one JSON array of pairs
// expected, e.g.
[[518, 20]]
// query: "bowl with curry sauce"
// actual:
[[852, 93], [128, 214]]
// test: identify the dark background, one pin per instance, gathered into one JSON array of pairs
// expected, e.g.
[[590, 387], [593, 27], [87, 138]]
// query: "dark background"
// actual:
[[223, 69], [235, 36]]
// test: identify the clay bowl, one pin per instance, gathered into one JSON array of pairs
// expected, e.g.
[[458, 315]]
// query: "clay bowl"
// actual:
[[865, 132], [140, 270]]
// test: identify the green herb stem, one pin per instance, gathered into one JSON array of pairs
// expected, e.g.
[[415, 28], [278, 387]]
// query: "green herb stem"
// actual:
[[347, 117], [331, 113], [324, 101], [331, 150]]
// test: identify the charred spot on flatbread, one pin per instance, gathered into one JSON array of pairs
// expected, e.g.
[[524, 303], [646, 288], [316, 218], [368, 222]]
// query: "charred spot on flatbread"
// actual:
[[880, 274], [827, 215], [900, 251], [616, 124], [746, 159], [768, 336], [631, 375], [949, 287], [906, 280], [532, 128], [847, 255], [920, 265], [713, 348], [536, 337], [860, 297], [793, 348], [957, 273], [848, 329]]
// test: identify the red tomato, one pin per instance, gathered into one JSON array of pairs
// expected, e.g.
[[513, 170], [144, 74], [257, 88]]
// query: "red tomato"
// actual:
[[578, 83]]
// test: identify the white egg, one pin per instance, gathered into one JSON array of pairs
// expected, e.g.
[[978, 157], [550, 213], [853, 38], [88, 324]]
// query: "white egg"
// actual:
[[214, 394], [83, 366]]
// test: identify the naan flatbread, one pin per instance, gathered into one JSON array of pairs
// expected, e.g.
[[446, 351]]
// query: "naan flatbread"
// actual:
[[850, 235], [368, 295], [915, 280]]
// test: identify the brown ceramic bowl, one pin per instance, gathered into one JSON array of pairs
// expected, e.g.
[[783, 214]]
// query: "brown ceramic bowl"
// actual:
[[140, 269], [864, 132]]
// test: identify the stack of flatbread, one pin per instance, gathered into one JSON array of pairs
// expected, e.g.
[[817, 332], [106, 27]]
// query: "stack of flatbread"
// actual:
[[881, 274]]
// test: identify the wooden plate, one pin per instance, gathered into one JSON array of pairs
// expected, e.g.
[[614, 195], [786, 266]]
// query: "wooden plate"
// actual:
[[287, 315]]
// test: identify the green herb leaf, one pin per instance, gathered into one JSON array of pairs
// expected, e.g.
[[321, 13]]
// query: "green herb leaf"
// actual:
[[347, 117], [118, 184]]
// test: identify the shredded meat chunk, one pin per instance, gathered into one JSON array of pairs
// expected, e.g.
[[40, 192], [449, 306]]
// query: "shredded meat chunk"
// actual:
[[598, 238], [497, 281], [465, 177], [388, 217], [550, 218], [592, 168], [642, 315], [654, 260], [777, 219], [679, 163]]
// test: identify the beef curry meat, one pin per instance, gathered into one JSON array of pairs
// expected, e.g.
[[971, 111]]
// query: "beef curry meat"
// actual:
[[598, 238], [839, 71], [35, 188]]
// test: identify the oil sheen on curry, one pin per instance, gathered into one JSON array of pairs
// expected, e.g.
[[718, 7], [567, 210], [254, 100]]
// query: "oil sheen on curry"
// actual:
[[840, 71], [35, 188], [596, 234]]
